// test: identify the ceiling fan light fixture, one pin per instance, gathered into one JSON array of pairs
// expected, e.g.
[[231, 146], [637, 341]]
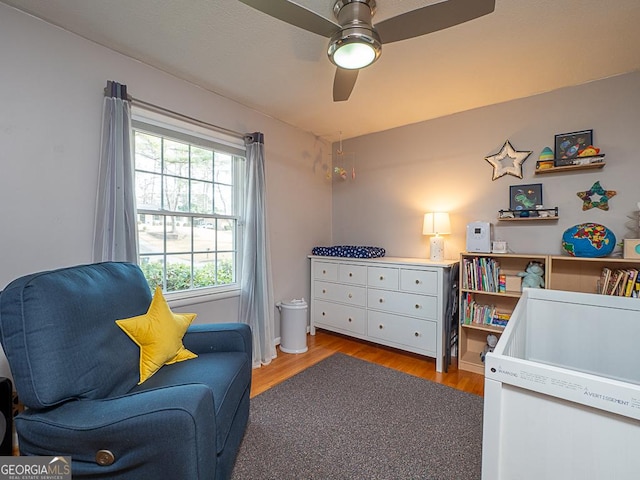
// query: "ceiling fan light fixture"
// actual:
[[355, 43], [354, 48]]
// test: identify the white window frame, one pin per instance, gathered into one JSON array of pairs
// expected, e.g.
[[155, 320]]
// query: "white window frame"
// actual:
[[176, 129]]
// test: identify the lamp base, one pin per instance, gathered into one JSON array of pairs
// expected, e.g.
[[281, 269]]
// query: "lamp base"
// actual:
[[437, 249]]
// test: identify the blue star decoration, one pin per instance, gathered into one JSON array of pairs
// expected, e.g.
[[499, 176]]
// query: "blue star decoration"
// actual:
[[507, 161], [602, 200]]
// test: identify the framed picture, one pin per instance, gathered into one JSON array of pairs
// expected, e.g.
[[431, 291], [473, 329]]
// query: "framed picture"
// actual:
[[569, 145], [525, 197]]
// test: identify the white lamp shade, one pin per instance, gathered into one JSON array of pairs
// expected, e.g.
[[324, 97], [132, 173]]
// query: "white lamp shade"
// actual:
[[436, 223]]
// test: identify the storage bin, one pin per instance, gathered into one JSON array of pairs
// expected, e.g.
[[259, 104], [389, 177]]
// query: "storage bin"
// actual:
[[293, 326]]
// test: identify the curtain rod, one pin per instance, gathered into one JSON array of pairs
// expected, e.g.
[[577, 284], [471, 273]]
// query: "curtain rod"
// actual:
[[179, 116]]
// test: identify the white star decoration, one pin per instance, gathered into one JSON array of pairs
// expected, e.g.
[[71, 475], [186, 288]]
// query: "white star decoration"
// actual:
[[507, 161]]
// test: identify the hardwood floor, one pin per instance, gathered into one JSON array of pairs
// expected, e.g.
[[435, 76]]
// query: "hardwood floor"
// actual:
[[325, 344]]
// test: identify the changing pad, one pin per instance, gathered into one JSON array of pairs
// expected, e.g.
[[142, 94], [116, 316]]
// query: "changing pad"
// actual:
[[350, 251]]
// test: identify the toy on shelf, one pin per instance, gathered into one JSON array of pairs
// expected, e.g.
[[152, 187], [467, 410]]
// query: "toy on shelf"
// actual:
[[533, 276], [529, 213], [546, 159], [588, 240], [546, 154], [585, 156], [590, 151], [492, 341]]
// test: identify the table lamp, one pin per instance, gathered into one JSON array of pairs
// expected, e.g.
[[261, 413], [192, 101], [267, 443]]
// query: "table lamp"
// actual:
[[436, 224]]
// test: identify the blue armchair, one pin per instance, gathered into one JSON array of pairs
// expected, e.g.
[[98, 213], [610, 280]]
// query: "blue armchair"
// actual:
[[77, 373]]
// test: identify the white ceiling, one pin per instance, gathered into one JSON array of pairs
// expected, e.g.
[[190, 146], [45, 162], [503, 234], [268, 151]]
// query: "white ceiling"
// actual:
[[525, 47]]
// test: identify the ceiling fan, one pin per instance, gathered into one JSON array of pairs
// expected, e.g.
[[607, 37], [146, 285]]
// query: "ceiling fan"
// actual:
[[355, 42]]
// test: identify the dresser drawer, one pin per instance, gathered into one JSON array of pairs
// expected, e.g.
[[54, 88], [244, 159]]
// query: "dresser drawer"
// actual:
[[343, 317], [351, 294], [356, 274], [419, 281], [325, 271], [412, 332], [382, 277], [422, 306]]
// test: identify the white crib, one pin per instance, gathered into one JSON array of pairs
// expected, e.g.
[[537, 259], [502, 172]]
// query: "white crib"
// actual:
[[562, 390]]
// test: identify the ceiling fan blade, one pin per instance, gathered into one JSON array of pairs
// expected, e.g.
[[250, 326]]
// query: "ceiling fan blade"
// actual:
[[432, 18], [343, 84], [296, 15]]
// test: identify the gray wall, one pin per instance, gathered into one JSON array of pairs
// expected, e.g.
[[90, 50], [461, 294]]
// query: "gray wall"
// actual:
[[51, 96], [439, 165], [51, 85]]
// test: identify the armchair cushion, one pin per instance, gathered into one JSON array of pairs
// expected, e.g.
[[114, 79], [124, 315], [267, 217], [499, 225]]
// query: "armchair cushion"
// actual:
[[226, 395], [159, 334], [46, 318]]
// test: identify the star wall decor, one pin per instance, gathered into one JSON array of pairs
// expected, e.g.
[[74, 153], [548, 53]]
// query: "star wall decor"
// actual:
[[602, 200], [507, 161]]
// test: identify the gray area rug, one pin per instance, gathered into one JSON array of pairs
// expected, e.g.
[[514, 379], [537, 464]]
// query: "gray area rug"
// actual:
[[345, 418]]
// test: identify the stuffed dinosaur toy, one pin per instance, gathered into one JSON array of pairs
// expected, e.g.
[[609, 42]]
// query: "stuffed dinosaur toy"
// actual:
[[533, 276]]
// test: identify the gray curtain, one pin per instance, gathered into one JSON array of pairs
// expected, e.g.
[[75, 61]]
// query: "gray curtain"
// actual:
[[115, 235], [256, 298]]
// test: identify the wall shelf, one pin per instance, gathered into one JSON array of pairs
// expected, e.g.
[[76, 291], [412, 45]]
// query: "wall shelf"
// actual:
[[571, 168], [525, 219], [552, 214]]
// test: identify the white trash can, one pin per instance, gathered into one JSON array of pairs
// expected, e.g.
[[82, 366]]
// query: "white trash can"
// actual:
[[293, 326]]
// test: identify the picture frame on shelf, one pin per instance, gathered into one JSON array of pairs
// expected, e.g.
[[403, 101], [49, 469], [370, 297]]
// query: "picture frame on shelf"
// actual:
[[525, 197], [569, 145]]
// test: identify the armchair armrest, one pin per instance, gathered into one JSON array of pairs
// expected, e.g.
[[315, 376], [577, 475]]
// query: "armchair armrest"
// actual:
[[161, 433], [218, 337]]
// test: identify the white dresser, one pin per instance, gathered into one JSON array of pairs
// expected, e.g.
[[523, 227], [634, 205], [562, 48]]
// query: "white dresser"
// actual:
[[398, 302]]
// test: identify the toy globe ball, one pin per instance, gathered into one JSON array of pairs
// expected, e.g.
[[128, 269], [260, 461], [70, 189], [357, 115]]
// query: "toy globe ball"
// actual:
[[588, 240]]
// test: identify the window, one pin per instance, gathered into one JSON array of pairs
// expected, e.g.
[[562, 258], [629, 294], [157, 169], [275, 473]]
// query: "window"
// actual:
[[189, 198]]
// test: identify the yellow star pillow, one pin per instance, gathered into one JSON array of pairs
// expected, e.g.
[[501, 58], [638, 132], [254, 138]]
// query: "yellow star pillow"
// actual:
[[159, 334]]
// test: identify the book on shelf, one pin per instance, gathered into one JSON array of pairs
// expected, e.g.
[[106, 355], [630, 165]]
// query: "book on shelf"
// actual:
[[482, 274], [604, 280], [631, 282], [619, 282], [474, 313], [612, 284]]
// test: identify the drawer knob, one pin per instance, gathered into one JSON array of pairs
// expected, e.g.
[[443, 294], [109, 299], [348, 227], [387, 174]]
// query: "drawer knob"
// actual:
[[417, 282], [417, 334], [380, 326], [324, 291], [349, 320], [350, 296], [350, 274], [381, 277], [323, 314], [417, 306], [381, 300], [324, 272]]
